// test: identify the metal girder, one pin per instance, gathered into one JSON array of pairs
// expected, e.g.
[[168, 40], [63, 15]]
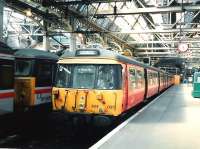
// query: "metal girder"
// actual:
[[22, 5], [170, 50], [80, 2], [152, 31], [55, 17], [170, 2], [153, 10], [150, 22], [148, 31], [158, 56], [167, 55], [166, 41], [1, 19], [154, 53], [167, 51], [165, 48]]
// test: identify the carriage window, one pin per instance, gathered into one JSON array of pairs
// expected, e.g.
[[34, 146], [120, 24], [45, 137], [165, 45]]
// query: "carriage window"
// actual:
[[23, 67], [154, 79], [132, 77], [44, 74], [161, 78], [150, 78], [140, 78], [6, 80]]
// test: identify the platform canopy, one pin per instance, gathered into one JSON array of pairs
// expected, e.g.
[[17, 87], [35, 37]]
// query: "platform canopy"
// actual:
[[154, 29]]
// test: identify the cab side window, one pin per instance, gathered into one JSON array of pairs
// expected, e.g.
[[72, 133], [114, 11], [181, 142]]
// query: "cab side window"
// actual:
[[44, 74]]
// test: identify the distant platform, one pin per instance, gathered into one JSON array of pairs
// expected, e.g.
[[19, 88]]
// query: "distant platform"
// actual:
[[171, 121]]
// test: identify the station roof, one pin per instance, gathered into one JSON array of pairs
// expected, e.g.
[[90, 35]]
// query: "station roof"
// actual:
[[149, 28]]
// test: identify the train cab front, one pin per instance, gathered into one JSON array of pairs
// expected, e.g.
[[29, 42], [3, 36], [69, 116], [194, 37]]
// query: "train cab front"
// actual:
[[24, 85], [93, 90]]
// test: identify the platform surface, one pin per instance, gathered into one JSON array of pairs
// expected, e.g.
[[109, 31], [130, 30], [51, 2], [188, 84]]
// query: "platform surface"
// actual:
[[171, 122]]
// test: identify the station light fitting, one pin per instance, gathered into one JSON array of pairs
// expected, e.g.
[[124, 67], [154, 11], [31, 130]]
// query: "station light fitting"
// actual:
[[28, 12], [182, 47]]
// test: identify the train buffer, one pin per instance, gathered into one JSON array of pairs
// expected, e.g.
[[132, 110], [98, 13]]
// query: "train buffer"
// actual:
[[171, 121]]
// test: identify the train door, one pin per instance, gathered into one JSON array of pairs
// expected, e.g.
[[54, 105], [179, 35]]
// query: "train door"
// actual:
[[166, 81], [6, 85], [136, 85], [24, 84], [44, 72], [153, 83], [161, 81]]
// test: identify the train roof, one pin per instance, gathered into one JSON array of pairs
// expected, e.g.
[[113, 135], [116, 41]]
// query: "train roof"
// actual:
[[35, 54], [104, 53], [5, 49]]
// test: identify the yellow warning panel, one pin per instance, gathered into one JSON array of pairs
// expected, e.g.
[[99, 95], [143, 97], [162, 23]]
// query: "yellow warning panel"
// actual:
[[24, 92]]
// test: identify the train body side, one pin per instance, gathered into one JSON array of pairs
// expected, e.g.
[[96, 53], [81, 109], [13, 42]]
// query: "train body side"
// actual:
[[6, 82], [136, 85]]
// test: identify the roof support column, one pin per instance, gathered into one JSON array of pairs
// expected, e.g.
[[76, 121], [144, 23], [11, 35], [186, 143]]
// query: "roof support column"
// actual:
[[45, 37], [72, 35], [2, 3]]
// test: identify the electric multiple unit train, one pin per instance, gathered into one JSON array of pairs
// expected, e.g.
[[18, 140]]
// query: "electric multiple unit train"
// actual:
[[103, 84], [95, 83]]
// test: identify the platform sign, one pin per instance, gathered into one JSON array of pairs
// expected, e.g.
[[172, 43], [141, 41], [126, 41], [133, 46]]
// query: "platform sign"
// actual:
[[182, 47]]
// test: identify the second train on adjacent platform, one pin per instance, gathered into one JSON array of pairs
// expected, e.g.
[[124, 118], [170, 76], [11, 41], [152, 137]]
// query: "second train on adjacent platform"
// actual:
[[103, 84], [34, 76], [26, 79]]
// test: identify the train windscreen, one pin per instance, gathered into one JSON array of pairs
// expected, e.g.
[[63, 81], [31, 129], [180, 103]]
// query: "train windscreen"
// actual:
[[23, 67], [89, 76]]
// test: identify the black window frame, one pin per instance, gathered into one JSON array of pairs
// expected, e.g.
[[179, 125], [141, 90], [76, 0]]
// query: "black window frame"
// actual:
[[31, 69], [11, 77], [71, 69], [43, 81]]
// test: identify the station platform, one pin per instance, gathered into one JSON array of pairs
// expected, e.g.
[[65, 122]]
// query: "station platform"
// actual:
[[171, 121]]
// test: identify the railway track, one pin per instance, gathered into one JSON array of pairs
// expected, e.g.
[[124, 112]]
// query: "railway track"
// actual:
[[54, 130]]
